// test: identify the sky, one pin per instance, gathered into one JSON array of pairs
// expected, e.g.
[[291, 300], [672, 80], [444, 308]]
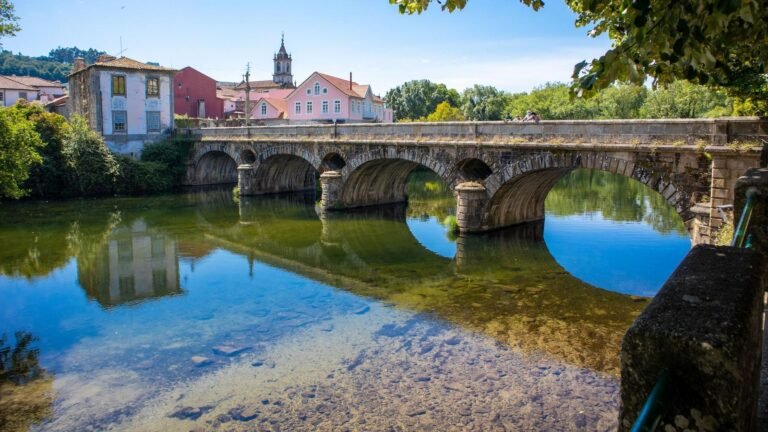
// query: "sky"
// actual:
[[492, 42]]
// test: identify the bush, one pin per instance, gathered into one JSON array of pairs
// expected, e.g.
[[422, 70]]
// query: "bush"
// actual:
[[19, 145], [93, 169], [48, 179], [172, 153], [138, 177]]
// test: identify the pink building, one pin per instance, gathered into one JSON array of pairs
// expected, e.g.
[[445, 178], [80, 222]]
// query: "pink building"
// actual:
[[323, 97], [269, 105]]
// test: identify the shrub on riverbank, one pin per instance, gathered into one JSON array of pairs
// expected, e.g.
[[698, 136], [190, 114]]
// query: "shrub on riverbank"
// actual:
[[19, 151], [44, 156], [93, 169]]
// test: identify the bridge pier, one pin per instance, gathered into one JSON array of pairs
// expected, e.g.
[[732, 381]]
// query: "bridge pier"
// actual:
[[331, 187], [245, 179], [471, 200]]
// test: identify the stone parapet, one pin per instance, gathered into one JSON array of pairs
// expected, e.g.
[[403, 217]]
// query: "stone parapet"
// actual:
[[705, 328]]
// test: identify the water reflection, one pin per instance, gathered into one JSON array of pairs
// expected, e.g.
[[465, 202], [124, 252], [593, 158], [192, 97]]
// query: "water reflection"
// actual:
[[134, 263], [26, 389], [375, 309]]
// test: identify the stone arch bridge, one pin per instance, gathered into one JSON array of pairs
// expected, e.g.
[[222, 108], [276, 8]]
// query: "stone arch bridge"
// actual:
[[500, 172]]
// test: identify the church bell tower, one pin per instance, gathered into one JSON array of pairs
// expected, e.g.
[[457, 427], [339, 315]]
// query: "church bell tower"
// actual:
[[283, 74]]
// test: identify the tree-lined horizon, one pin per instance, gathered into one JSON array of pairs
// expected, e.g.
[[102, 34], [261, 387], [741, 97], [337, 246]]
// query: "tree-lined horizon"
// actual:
[[423, 100]]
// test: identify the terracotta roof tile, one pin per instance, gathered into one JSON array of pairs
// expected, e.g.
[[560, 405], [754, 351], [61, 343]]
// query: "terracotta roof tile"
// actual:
[[341, 84], [7, 83], [35, 81], [128, 64]]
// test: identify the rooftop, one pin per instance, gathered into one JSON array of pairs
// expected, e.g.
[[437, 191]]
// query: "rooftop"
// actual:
[[126, 63], [10, 83]]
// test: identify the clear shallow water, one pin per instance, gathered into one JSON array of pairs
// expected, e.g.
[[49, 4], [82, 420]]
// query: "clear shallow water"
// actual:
[[169, 313]]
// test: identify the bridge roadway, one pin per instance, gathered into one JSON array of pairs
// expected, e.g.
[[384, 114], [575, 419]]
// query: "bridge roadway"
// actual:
[[500, 172]]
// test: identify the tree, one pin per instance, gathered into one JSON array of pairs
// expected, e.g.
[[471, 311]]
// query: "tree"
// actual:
[[445, 112], [483, 103], [8, 20], [93, 167], [714, 42], [682, 99], [551, 102], [419, 98], [48, 179], [19, 145], [69, 54]]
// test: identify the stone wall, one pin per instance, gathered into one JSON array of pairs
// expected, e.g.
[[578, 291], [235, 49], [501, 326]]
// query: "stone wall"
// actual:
[[704, 328]]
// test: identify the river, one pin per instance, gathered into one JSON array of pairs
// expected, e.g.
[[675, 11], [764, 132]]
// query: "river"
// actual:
[[197, 310]]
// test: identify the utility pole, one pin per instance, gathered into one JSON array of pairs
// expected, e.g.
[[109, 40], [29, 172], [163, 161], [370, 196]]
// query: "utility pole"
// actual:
[[247, 93]]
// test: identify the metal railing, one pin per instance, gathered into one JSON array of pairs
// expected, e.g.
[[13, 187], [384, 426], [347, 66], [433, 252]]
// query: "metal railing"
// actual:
[[740, 237], [653, 409]]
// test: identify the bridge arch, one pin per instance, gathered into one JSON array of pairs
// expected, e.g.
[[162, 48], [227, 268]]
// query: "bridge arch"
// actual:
[[517, 193], [215, 163], [374, 178], [332, 161], [283, 172]]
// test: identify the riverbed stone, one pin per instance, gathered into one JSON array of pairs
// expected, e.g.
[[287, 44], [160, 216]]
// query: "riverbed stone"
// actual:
[[201, 361], [229, 350]]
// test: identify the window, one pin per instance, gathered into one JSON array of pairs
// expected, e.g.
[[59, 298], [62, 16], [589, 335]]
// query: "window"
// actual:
[[153, 87], [119, 119], [2, 96], [337, 106], [309, 107], [118, 85], [309, 91], [153, 121], [22, 95], [263, 108], [325, 107], [297, 108], [317, 89], [325, 90]]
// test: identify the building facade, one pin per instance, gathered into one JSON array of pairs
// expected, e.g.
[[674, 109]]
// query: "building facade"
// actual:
[[47, 91], [12, 90], [323, 97], [130, 103], [195, 95]]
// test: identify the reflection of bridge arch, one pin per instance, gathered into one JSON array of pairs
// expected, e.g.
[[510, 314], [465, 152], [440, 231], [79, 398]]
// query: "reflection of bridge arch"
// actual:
[[517, 193]]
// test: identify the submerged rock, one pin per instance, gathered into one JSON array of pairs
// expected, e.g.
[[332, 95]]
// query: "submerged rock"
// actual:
[[244, 413], [362, 311], [200, 361], [229, 350], [190, 413]]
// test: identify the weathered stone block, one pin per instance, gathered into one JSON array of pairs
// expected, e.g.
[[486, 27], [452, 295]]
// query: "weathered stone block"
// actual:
[[705, 328]]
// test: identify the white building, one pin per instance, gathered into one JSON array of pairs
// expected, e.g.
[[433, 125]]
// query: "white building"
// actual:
[[46, 90], [130, 103], [12, 90]]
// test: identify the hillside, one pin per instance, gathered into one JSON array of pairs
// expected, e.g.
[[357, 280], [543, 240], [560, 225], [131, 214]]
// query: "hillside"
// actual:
[[55, 66]]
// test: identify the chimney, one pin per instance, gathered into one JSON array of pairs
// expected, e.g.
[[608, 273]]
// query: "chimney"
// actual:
[[350, 80], [104, 58], [79, 64]]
